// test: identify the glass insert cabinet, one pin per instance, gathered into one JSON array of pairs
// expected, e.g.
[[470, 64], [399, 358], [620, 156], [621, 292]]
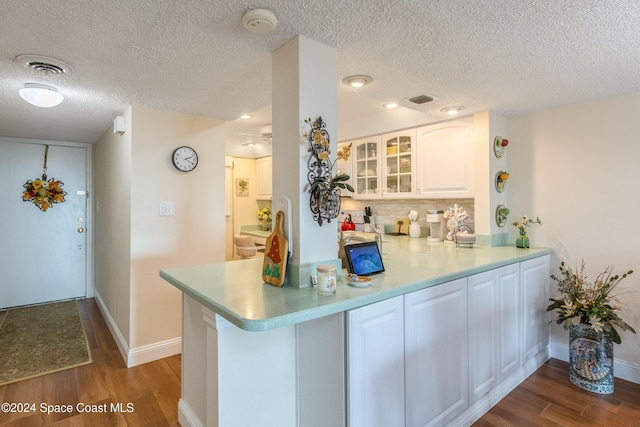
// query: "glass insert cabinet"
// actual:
[[399, 164], [384, 166], [367, 167]]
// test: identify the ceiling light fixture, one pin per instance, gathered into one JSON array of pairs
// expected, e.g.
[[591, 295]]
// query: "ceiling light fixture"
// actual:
[[41, 95], [452, 110], [390, 105], [357, 81], [245, 116]]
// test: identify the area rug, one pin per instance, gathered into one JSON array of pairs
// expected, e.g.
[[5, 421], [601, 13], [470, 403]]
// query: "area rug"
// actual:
[[41, 339]]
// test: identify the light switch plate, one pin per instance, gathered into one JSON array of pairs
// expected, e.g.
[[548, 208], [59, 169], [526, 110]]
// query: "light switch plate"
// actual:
[[166, 208]]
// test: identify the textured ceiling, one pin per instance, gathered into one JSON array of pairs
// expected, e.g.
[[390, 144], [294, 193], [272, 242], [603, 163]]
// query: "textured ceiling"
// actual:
[[195, 57]]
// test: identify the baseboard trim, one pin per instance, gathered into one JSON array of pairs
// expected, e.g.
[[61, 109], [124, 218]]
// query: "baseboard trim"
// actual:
[[622, 369], [155, 351], [481, 406], [138, 355], [186, 416], [123, 347]]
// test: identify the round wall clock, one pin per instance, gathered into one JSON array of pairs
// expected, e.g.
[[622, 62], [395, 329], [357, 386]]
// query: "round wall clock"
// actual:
[[185, 159]]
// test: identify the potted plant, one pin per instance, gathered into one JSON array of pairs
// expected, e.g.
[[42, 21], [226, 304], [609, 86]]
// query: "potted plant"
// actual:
[[590, 311], [522, 241], [264, 216]]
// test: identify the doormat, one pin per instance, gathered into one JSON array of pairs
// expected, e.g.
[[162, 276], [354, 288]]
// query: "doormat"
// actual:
[[41, 339]]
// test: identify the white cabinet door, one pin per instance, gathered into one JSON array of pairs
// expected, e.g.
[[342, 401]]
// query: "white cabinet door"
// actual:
[[398, 164], [436, 354], [375, 361], [534, 277], [483, 333], [494, 308], [508, 319], [264, 178], [445, 160], [366, 168]]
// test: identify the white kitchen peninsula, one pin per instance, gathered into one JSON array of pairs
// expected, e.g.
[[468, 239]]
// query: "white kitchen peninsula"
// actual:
[[438, 338]]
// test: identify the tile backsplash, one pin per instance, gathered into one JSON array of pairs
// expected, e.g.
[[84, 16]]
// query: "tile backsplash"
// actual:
[[386, 211]]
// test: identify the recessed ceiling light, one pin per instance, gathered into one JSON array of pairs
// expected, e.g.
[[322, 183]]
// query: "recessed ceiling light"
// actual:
[[390, 105], [452, 110], [245, 116], [41, 95], [357, 81]]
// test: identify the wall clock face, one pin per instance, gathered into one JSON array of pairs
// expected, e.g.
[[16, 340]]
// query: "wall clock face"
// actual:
[[185, 159]]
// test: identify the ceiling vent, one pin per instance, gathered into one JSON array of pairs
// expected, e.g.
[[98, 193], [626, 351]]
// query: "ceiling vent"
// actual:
[[43, 64], [421, 99]]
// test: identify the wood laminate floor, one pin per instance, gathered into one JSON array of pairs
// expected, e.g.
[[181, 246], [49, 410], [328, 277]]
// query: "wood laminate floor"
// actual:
[[152, 390]]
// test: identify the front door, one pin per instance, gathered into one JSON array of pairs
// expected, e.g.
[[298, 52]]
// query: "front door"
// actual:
[[43, 255]]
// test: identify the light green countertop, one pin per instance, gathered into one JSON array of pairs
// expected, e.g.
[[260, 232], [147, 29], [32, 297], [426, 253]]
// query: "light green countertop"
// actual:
[[235, 289], [255, 231]]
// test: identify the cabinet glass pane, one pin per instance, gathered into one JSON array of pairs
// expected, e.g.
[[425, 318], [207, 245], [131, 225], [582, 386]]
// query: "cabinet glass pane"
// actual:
[[371, 149], [405, 163], [404, 144], [392, 146], [392, 165], [392, 184], [405, 183]]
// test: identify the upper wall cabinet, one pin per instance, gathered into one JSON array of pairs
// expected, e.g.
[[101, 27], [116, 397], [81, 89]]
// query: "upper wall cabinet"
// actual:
[[399, 165], [366, 168], [264, 178], [445, 160]]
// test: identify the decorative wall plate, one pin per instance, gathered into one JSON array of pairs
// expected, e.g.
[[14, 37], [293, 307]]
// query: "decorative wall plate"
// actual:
[[501, 215], [501, 181], [499, 146]]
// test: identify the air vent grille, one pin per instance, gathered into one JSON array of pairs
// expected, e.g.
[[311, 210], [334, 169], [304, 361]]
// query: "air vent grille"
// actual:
[[43, 67], [43, 64], [421, 99]]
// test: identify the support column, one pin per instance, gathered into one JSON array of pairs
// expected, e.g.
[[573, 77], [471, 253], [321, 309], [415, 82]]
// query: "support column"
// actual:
[[304, 74], [487, 125]]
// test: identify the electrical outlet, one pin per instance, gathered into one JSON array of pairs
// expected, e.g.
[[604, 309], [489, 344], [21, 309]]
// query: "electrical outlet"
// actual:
[[314, 280]]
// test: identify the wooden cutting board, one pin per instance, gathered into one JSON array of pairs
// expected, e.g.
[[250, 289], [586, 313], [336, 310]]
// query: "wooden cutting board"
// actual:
[[276, 252]]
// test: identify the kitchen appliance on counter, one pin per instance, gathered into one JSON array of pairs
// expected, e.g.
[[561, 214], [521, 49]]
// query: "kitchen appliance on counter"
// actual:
[[437, 225]]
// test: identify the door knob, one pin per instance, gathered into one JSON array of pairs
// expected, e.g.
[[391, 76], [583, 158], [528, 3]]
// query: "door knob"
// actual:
[[80, 230]]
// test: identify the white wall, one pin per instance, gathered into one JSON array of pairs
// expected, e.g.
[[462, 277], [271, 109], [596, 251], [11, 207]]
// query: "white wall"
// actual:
[[111, 199], [140, 241], [577, 168]]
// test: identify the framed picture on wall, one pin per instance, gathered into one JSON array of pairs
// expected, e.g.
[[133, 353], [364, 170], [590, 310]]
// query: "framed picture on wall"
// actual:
[[242, 186]]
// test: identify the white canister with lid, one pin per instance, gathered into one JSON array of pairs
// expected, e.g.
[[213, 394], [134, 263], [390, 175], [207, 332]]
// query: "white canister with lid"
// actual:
[[326, 279]]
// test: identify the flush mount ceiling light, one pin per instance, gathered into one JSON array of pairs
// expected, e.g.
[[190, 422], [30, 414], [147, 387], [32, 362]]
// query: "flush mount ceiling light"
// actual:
[[357, 81], [390, 105], [452, 110], [259, 21], [41, 95], [245, 116]]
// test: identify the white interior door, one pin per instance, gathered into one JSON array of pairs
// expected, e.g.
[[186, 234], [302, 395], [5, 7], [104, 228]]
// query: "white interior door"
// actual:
[[43, 255]]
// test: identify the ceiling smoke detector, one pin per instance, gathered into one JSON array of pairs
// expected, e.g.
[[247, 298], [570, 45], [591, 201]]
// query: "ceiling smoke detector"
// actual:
[[44, 64], [260, 21]]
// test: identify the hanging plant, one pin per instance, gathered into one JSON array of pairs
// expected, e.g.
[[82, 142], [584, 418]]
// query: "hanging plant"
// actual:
[[324, 188], [42, 193]]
